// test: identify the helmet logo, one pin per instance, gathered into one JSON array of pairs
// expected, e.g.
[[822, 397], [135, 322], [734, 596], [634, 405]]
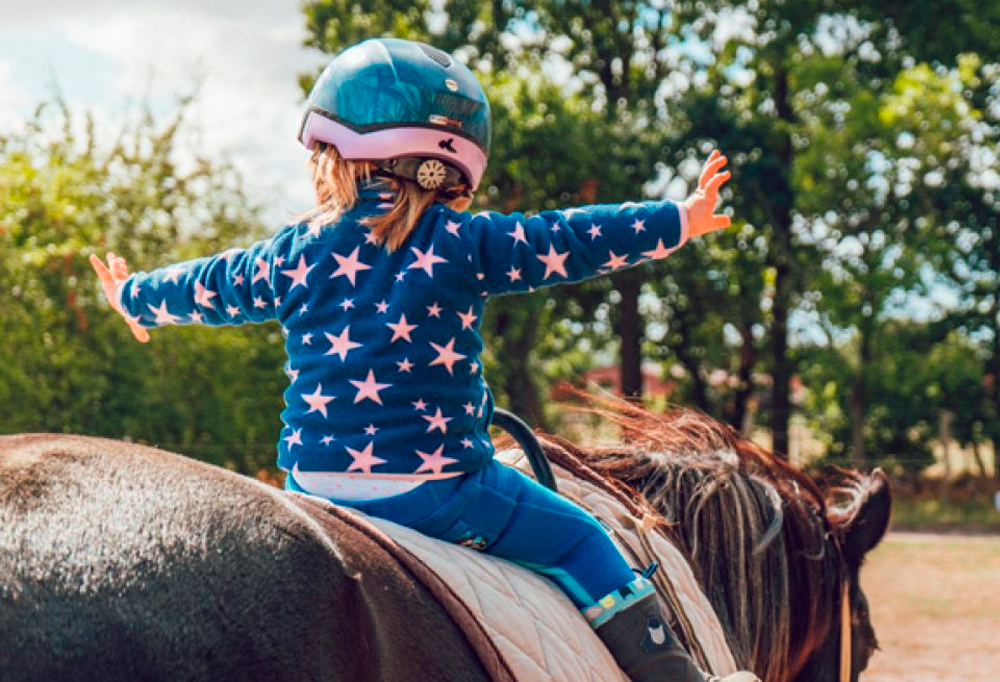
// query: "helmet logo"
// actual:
[[450, 84], [447, 145]]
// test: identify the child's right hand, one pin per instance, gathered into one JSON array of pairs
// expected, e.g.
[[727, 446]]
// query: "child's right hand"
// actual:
[[111, 276], [700, 206]]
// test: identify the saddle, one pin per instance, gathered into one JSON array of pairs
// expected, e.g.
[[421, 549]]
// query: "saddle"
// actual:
[[523, 628]]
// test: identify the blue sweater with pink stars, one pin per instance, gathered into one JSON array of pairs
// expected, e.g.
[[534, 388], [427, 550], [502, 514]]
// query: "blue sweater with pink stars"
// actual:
[[384, 348]]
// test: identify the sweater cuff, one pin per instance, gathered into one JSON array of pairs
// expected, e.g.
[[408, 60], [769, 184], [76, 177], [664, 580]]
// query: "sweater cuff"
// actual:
[[685, 227], [119, 296]]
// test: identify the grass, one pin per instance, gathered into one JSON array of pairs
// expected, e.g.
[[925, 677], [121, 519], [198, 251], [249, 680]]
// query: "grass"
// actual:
[[934, 508]]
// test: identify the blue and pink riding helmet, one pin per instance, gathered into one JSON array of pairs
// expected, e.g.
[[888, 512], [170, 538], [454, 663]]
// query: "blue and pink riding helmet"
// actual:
[[410, 108]]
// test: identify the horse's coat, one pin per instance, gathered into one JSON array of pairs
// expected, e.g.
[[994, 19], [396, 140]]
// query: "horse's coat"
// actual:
[[120, 562]]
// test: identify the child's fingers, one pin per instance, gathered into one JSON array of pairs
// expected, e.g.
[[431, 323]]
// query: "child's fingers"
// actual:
[[119, 268], [712, 166], [713, 185], [103, 273], [721, 222], [140, 333]]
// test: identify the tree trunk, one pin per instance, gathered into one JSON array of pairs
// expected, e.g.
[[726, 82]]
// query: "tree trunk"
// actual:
[[780, 257], [748, 358], [993, 367], [978, 457], [945, 437], [630, 331], [518, 326], [858, 405]]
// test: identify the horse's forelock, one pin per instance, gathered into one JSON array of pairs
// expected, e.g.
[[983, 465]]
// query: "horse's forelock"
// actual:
[[744, 516]]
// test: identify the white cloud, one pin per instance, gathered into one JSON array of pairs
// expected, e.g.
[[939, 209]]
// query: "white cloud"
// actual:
[[241, 58]]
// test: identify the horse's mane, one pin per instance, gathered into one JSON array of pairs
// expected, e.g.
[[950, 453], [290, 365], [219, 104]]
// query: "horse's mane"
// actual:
[[758, 531]]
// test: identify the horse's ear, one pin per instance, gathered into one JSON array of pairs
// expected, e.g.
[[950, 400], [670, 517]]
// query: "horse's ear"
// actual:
[[866, 525]]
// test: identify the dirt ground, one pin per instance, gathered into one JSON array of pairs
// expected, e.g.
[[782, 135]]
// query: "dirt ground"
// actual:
[[935, 604]]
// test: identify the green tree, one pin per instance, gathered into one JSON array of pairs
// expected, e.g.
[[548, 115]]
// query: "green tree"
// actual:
[[67, 363]]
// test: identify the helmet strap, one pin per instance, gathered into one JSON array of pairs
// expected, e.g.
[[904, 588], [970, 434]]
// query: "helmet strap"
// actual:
[[428, 172]]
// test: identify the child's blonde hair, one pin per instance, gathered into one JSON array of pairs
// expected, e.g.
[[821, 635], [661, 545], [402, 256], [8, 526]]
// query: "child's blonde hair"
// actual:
[[335, 181]]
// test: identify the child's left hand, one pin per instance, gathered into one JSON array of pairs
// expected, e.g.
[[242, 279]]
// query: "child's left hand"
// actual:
[[111, 276], [700, 206]]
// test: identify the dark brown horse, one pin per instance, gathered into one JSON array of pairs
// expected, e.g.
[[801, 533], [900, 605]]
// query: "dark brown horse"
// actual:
[[121, 562]]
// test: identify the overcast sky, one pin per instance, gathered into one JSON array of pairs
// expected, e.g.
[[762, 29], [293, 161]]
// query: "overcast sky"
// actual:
[[105, 55]]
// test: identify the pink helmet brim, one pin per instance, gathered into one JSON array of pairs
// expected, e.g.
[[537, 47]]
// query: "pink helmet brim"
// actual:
[[390, 143]]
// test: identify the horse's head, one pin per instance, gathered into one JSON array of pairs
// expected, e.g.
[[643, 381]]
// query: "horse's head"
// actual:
[[858, 515]]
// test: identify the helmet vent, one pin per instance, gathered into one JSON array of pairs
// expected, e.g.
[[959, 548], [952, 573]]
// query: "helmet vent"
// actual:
[[437, 55]]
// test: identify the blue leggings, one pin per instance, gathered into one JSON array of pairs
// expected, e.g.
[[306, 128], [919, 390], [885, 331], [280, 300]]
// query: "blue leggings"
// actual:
[[500, 511]]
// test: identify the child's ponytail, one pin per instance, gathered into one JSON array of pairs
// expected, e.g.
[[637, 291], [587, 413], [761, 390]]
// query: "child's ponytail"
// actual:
[[335, 182]]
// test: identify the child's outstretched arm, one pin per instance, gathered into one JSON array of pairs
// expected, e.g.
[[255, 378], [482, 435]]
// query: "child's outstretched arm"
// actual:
[[517, 253], [230, 288]]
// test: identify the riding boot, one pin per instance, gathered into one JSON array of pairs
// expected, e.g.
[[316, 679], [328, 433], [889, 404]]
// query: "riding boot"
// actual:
[[646, 650]]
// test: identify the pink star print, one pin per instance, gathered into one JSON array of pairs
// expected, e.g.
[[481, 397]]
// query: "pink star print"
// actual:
[[425, 260], [197, 317], [232, 310], [294, 439], [173, 274], [317, 401], [594, 231], [452, 227], [162, 315], [434, 310], [342, 344], [514, 274], [437, 421], [401, 330], [349, 266], [434, 461], [419, 405], [381, 306], [518, 234], [371, 429], [237, 280], [263, 271], [369, 388], [299, 273], [659, 252], [326, 440], [446, 356], [364, 460], [615, 261], [405, 365], [554, 262], [639, 226], [468, 319], [202, 296]]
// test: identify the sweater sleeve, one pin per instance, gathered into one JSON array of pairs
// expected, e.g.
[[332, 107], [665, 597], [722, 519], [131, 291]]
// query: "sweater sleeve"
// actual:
[[230, 288], [514, 253]]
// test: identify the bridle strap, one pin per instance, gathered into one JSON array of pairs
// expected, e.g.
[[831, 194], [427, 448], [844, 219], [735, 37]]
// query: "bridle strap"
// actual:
[[845, 633]]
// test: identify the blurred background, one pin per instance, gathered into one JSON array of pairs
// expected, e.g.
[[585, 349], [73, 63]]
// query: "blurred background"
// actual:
[[850, 316]]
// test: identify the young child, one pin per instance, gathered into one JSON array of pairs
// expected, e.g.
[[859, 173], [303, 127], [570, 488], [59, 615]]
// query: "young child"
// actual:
[[380, 291]]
